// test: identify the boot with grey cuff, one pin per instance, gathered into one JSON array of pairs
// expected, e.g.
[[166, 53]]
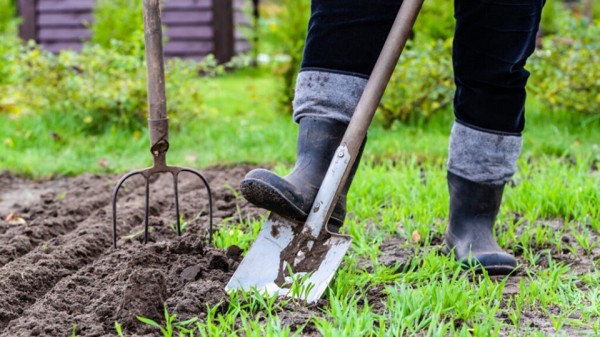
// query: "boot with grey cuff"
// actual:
[[324, 102], [473, 211], [479, 164], [292, 196]]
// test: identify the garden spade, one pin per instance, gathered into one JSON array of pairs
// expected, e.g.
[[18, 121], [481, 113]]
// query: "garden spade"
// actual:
[[158, 126], [299, 259]]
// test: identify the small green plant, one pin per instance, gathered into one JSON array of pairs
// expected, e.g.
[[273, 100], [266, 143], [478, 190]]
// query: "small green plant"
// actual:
[[585, 240], [241, 235], [254, 301], [171, 326], [119, 329], [299, 287], [183, 227]]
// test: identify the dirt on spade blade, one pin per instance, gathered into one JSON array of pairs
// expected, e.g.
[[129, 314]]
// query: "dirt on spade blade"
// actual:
[[58, 268]]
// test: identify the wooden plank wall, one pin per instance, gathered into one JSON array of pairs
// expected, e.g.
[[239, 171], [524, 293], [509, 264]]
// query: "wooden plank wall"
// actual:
[[195, 28]]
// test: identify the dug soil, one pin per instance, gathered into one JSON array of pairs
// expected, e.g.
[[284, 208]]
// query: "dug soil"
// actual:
[[58, 268]]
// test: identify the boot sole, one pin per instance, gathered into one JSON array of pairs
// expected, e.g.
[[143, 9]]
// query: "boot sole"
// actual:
[[478, 267], [493, 270], [266, 196]]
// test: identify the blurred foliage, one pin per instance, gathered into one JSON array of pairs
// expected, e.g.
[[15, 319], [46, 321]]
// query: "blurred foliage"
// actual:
[[283, 31], [9, 47], [436, 21], [102, 86], [119, 20], [95, 89], [566, 71], [250, 31], [421, 85], [8, 18], [553, 9]]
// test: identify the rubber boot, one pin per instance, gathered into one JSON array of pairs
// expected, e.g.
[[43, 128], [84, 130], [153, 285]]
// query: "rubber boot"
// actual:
[[292, 196], [473, 211]]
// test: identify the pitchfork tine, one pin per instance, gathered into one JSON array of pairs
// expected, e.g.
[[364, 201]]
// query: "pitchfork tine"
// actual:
[[114, 202], [177, 203], [146, 210], [147, 173], [210, 204]]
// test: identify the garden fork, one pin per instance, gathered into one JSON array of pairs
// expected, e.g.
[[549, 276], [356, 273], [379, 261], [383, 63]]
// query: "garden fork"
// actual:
[[158, 126]]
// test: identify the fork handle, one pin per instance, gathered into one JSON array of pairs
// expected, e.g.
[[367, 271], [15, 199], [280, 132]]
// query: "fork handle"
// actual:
[[157, 99]]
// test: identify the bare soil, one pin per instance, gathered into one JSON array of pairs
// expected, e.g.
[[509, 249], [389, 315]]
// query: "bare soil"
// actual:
[[58, 268]]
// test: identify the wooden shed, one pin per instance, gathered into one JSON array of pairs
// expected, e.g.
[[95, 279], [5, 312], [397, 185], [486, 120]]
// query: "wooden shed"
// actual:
[[195, 28]]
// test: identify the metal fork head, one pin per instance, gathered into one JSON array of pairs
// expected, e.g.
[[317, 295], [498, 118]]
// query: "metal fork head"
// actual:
[[160, 166]]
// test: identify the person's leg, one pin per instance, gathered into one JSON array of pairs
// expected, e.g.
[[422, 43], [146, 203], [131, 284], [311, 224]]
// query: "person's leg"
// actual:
[[344, 40], [492, 42]]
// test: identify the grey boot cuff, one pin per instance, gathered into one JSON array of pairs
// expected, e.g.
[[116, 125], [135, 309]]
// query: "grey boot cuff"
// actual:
[[483, 157], [327, 95]]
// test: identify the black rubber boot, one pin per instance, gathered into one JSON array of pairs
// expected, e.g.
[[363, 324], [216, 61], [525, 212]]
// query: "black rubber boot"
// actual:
[[292, 196], [473, 211]]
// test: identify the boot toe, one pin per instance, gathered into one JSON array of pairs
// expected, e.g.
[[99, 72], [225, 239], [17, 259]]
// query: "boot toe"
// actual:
[[495, 263], [267, 190]]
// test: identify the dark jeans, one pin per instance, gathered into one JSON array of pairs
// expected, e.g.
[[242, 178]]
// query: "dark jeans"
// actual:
[[492, 41]]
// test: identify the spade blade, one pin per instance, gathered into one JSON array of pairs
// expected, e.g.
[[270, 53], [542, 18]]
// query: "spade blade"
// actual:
[[282, 251]]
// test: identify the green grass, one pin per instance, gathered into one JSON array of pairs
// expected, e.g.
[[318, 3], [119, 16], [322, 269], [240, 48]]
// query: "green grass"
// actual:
[[239, 123], [550, 218], [236, 124]]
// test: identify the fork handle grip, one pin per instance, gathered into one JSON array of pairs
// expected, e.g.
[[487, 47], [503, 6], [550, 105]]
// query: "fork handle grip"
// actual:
[[157, 100]]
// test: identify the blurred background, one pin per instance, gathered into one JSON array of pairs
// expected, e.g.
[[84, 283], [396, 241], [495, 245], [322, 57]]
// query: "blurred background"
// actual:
[[72, 83]]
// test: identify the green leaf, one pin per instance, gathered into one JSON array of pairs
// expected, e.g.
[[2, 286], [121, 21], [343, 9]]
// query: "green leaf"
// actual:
[[119, 329], [148, 321]]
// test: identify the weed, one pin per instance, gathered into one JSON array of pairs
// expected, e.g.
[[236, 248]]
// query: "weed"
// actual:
[[299, 285], [138, 234], [183, 224], [118, 329], [171, 326]]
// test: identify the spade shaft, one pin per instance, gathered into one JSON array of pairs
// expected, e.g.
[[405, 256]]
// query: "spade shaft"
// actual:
[[356, 132]]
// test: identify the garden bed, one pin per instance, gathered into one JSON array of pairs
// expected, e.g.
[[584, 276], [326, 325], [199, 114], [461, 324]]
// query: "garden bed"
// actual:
[[58, 268]]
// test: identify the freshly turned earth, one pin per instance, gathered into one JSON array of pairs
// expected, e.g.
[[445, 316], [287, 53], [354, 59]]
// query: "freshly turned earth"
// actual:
[[58, 267]]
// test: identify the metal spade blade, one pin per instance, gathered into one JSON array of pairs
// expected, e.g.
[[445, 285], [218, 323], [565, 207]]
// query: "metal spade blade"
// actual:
[[280, 248]]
